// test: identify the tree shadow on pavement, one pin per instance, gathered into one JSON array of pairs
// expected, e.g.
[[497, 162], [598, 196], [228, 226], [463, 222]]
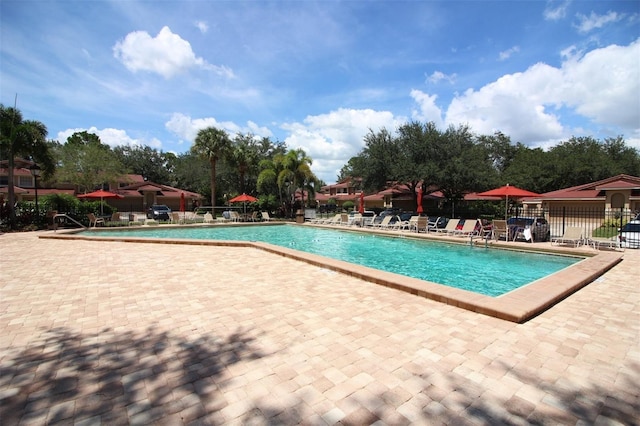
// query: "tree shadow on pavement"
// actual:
[[452, 399], [118, 377]]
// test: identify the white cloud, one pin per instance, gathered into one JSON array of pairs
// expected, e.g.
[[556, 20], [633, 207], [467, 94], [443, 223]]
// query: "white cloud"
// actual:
[[602, 86], [429, 111], [439, 76], [332, 139], [186, 128], [202, 26], [166, 54], [506, 54], [593, 21], [555, 11], [111, 137]]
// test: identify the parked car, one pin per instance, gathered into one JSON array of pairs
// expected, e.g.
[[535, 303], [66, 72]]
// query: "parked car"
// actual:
[[630, 234], [158, 212], [539, 227]]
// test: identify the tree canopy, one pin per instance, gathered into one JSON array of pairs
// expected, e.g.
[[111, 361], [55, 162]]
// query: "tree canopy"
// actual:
[[457, 161]]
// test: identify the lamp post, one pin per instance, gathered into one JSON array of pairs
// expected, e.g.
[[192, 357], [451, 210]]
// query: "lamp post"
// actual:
[[35, 172]]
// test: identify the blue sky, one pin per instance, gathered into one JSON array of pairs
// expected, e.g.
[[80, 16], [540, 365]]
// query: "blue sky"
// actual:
[[319, 75]]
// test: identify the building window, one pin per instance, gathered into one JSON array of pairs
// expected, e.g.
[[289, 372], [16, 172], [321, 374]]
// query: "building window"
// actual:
[[25, 181]]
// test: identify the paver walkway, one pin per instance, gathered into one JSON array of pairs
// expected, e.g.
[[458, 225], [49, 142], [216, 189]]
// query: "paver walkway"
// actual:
[[121, 333]]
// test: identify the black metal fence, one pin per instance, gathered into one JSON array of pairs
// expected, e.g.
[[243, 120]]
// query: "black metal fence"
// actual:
[[594, 222]]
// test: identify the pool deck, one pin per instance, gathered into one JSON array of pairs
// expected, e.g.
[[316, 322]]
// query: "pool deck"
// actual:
[[138, 333]]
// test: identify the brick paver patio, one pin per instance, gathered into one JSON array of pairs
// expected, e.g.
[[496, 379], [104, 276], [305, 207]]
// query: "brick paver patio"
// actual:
[[126, 333]]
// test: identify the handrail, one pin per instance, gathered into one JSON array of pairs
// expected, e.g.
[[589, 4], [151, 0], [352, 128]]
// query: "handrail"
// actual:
[[68, 217]]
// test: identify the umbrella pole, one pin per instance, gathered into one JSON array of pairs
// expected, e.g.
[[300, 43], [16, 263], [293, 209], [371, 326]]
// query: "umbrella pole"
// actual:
[[506, 208]]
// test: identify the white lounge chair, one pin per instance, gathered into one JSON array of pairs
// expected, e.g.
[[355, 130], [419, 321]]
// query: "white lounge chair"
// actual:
[[450, 228], [600, 243], [385, 223], [468, 228], [410, 224], [208, 218], [331, 221], [572, 235], [266, 217]]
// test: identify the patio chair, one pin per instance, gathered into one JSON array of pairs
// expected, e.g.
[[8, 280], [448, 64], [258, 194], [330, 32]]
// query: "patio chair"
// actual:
[[499, 229], [572, 235], [94, 221], [266, 217], [208, 218], [234, 216], [452, 225], [116, 220], [256, 217], [175, 218]]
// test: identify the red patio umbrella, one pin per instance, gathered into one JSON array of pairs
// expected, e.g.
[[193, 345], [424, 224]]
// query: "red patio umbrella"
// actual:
[[361, 206], [182, 208], [102, 194], [244, 198], [506, 192], [420, 210]]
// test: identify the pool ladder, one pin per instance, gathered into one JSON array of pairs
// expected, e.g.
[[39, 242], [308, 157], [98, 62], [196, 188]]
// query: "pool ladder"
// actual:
[[486, 240], [55, 228]]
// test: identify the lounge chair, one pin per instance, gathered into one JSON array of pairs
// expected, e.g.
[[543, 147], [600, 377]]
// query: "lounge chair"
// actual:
[[208, 218], [452, 225], [368, 220], [468, 228], [332, 221], [355, 220], [256, 217], [572, 235], [499, 229], [94, 221], [234, 216], [406, 224], [344, 219], [432, 224], [266, 217], [599, 243], [385, 223]]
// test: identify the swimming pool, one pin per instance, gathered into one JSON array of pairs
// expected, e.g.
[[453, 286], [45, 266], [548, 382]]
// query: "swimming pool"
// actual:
[[486, 271]]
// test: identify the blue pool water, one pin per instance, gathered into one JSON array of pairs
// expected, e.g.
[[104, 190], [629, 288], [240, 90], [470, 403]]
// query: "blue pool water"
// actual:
[[487, 271]]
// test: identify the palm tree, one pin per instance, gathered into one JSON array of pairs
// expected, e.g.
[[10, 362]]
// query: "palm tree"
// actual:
[[26, 138], [296, 170], [212, 144], [243, 155]]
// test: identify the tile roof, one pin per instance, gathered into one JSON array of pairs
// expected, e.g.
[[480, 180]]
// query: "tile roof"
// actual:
[[594, 190]]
